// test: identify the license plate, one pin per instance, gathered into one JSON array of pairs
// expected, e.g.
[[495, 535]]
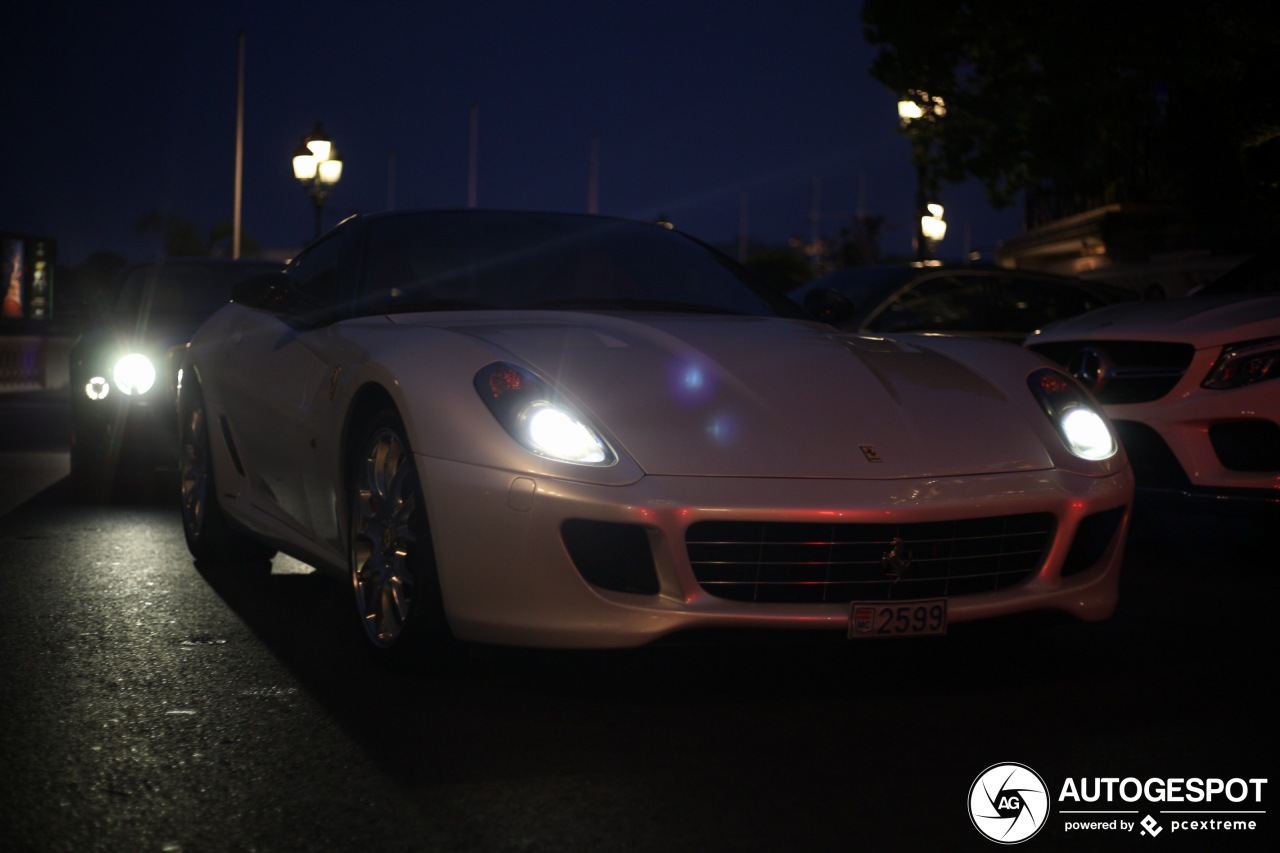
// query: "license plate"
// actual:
[[897, 618]]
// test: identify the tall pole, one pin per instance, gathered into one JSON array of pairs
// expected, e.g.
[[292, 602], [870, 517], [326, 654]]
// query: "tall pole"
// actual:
[[593, 176], [236, 205], [815, 223], [473, 159], [391, 180]]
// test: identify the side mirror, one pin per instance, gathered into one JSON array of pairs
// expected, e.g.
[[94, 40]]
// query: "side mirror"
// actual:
[[271, 291], [276, 293], [828, 306]]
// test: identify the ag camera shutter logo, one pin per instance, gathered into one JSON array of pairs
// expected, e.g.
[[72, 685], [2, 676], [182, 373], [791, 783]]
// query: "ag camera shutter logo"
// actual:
[[1008, 803]]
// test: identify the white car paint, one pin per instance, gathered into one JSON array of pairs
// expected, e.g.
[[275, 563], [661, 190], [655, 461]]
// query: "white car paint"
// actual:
[[713, 418]]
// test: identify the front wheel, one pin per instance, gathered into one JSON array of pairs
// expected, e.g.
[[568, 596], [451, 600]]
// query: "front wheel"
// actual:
[[392, 562]]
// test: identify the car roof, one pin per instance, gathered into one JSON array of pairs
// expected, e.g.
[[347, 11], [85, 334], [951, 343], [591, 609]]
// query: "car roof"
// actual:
[[1259, 274], [867, 286]]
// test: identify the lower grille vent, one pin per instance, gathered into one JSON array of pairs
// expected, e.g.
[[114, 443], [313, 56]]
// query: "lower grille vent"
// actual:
[[813, 563]]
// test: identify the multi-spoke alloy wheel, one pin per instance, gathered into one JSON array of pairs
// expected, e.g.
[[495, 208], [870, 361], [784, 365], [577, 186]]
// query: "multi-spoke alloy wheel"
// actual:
[[193, 469], [392, 564], [209, 536]]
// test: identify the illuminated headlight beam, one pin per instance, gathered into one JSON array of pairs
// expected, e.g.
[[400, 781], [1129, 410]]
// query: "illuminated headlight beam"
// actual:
[[528, 409], [134, 374], [1083, 429], [97, 388], [1087, 435], [556, 433]]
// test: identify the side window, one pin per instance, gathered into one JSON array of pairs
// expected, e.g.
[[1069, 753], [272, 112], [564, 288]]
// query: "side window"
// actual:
[[940, 304], [315, 273], [1030, 303]]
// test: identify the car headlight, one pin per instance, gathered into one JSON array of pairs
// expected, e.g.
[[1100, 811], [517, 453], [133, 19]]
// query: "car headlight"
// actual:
[[134, 374], [528, 409], [97, 388], [1244, 364], [1074, 415]]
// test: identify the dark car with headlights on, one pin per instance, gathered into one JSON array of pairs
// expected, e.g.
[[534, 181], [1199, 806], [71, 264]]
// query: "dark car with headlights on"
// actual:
[[983, 301], [122, 402]]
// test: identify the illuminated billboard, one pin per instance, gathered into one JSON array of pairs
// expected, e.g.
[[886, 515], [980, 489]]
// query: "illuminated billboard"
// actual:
[[26, 274]]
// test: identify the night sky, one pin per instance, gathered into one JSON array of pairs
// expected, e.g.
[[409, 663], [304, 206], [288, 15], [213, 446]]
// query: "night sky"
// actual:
[[111, 111]]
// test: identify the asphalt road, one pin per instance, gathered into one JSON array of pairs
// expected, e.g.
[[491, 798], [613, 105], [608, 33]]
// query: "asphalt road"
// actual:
[[148, 706]]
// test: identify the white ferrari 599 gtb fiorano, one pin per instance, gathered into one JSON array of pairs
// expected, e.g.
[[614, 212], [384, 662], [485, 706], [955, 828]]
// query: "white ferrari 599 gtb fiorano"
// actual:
[[575, 431]]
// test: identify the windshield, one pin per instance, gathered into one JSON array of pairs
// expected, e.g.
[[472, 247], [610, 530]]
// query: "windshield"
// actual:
[[1259, 275], [499, 260], [864, 287]]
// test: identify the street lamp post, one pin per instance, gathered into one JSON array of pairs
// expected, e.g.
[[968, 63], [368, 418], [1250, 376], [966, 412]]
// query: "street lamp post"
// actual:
[[929, 227], [318, 168]]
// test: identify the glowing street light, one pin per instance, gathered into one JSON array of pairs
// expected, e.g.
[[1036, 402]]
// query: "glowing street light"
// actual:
[[318, 168], [920, 104], [909, 111], [932, 226]]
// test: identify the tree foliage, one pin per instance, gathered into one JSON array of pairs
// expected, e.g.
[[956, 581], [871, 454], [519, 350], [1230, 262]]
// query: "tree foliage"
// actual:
[[181, 238], [1093, 102]]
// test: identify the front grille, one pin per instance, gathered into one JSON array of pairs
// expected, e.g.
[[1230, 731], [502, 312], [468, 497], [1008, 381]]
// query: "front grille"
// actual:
[[813, 563], [1130, 371]]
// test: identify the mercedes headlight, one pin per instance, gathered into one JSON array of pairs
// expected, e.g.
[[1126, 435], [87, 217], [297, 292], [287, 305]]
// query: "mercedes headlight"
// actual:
[[528, 410], [134, 374], [1244, 364], [1084, 430]]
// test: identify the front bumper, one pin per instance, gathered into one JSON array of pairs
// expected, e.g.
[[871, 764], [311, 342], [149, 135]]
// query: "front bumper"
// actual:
[[140, 430], [1210, 446], [508, 578]]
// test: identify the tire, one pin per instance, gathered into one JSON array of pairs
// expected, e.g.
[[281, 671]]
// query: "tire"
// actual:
[[210, 538], [391, 560]]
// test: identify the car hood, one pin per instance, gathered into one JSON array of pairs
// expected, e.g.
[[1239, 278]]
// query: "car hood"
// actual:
[[1202, 320], [740, 396]]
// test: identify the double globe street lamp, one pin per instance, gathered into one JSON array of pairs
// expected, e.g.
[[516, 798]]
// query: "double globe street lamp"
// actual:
[[318, 168]]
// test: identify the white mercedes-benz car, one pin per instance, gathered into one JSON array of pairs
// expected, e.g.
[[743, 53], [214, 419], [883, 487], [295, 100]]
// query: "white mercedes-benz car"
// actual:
[[575, 431], [1189, 384]]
